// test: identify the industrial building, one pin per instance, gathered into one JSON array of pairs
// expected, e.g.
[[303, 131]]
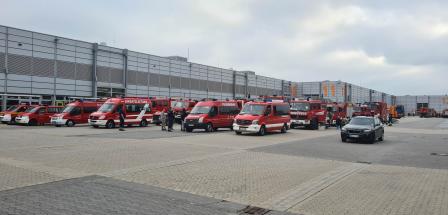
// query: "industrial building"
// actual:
[[50, 68]]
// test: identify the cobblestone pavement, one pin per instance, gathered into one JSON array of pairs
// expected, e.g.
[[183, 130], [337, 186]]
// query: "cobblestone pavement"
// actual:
[[99, 195], [145, 171]]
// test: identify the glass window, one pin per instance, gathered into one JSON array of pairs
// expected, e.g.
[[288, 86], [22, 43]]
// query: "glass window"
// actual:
[[90, 109], [42, 110], [32, 109], [106, 107], [281, 110], [300, 106], [361, 121], [253, 109], [201, 110]]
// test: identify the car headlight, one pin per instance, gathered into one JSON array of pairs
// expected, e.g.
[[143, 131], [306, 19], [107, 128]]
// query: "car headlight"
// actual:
[[344, 129], [201, 120], [255, 122], [102, 117]]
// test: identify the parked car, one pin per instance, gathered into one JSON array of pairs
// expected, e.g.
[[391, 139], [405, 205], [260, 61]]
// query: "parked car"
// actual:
[[37, 115], [364, 128], [262, 117], [9, 115]]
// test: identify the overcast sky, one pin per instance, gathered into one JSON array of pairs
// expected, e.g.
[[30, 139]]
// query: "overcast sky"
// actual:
[[399, 46]]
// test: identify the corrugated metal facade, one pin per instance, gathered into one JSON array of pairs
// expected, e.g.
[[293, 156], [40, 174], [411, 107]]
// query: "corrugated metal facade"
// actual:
[[41, 64]]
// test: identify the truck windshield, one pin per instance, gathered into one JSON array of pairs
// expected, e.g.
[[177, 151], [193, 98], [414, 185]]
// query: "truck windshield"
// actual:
[[12, 108], [180, 105], [200, 110], [106, 107], [361, 121], [253, 109], [31, 109], [300, 106], [68, 109]]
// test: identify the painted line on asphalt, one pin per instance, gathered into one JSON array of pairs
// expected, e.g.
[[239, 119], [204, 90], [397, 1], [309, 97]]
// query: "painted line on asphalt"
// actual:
[[304, 191]]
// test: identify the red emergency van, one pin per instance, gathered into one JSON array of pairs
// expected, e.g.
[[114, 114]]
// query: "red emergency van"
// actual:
[[9, 115], [159, 104], [211, 115], [38, 115], [137, 111], [77, 112], [262, 117], [179, 105]]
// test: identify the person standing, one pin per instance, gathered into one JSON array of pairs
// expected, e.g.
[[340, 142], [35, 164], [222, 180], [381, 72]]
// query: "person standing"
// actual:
[[122, 116], [338, 123], [170, 118], [163, 119], [183, 115]]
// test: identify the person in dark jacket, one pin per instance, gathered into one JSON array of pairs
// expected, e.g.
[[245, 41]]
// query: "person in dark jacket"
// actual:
[[170, 119], [122, 116], [183, 115], [338, 123]]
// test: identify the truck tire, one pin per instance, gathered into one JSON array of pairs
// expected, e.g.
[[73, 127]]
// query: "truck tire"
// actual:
[[110, 124], [70, 123], [209, 127], [143, 123], [314, 124], [262, 131], [284, 128]]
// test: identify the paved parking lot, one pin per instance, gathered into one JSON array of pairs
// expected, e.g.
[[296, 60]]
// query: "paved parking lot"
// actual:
[[145, 171]]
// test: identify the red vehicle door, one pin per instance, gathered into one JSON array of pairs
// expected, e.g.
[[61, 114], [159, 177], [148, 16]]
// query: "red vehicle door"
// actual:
[[76, 114], [269, 118], [41, 115]]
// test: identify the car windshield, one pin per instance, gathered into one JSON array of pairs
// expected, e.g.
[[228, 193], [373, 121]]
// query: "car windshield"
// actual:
[[180, 105], [361, 121], [12, 108], [106, 107], [200, 110], [31, 109], [300, 106], [68, 109], [253, 109]]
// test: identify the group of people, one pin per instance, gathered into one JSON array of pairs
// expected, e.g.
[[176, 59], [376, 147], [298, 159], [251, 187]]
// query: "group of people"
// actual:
[[167, 118]]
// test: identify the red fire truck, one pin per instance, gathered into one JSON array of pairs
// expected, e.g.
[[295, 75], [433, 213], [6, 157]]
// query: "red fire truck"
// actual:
[[159, 104], [179, 105], [137, 111], [37, 115], [76, 112], [308, 113], [211, 115], [9, 115], [378, 109], [425, 112], [338, 110], [262, 117]]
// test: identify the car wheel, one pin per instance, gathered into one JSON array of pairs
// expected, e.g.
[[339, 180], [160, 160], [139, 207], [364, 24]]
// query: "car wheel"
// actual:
[[32, 122], [238, 132], [110, 124], [143, 123], [382, 137], [70, 123], [284, 129], [372, 139], [209, 127], [262, 131], [314, 124], [344, 139]]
